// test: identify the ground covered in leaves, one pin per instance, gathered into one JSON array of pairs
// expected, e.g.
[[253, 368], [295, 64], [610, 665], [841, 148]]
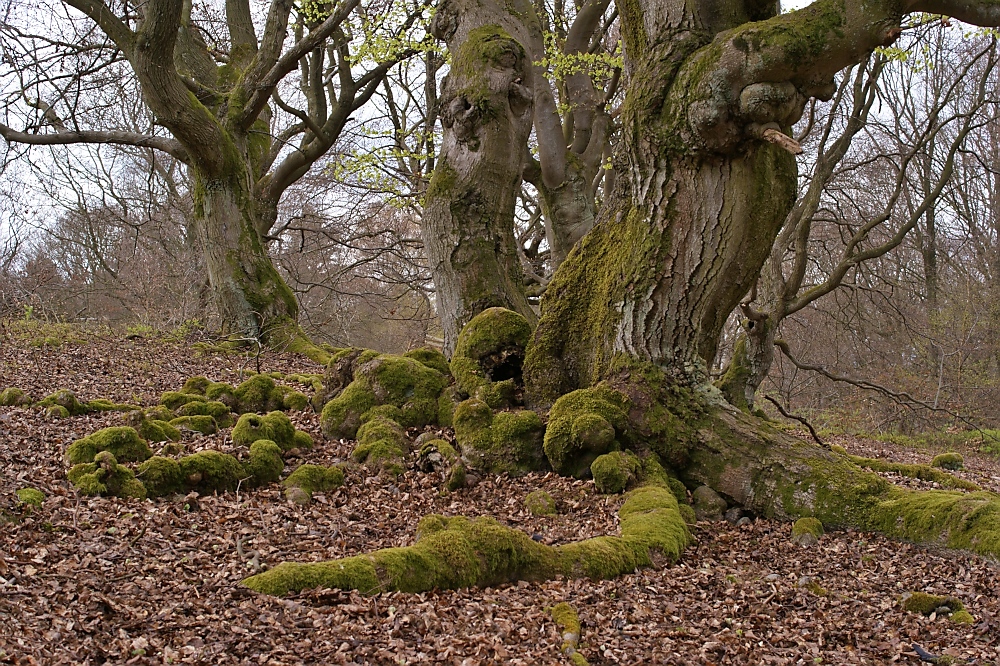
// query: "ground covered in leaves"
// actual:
[[106, 580]]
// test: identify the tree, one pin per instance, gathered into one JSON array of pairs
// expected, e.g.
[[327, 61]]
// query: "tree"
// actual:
[[218, 96]]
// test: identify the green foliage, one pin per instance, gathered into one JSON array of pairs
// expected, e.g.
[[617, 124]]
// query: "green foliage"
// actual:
[[122, 442]]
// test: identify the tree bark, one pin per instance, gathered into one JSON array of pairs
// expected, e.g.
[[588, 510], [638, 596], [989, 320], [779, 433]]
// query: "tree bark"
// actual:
[[486, 111]]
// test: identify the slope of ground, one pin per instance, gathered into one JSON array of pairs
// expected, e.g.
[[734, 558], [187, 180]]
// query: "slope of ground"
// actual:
[[106, 580]]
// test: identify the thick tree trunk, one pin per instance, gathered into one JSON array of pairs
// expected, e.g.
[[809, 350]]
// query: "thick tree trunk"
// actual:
[[486, 105], [753, 355]]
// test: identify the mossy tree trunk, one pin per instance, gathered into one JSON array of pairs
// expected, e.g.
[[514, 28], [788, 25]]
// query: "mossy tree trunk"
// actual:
[[486, 113]]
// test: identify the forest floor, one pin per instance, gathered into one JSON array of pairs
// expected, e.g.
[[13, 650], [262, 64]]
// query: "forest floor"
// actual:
[[106, 580]]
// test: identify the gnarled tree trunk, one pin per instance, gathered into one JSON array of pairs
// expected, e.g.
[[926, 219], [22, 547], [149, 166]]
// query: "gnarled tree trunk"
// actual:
[[486, 112]]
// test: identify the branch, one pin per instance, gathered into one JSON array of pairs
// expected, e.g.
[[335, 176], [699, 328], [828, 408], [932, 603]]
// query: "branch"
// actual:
[[170, 146], [800, 419], [106, 20], [976, 12]]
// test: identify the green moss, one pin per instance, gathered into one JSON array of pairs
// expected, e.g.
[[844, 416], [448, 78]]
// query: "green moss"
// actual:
[[266, 464], [568, 623], [432, 358], [105, 476], [295, 401], [172, 400], [508, 442], [14, 397], [66, 399], [488, 356], [925, 604], [123, 442], [57, 412], [395, 381], [969, 521], [457, 477], [259, 394], [30, 497], [614, 472], [807, 526], [161, 476], [922, 472], [457, 552], [196, 385], [208, 471], [223, 393], [540, 503], [159, 413], [309, 479], [381, 444], [206, 425], [952, 461], [217, 410], [962, 617], [158, 431], [583, 425], [275, 426], [102, 405]]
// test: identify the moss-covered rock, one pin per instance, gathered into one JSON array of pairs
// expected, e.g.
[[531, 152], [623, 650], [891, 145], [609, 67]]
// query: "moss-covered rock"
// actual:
[[568, 623], [208, 471], [172, 400], [925, 604], [506, 442], [217, 410], [14, 397], [105, 476], [259, 394], [583, 425], [275, 426], [152, 430], [206, 425], [432, 358], [295, 401], [458, 552], [488, 357], [57, 412], [159, 413], [458, 477], [807, 531], [196, 385], [308, 479], [30, 497], [708, 504], [435, 454], [161, 476], [540, 503], [66, 399], [962, 617], [102, 405], [382, 444], [266, 464], [387, 380], [614, 472], [222, 392], [951, 460], [123, 442]]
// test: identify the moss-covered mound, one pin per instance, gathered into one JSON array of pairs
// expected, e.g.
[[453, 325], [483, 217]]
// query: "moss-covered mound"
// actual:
[[508, 442], [161, 476], [432, 358], [259, 394], [614, 472], [568, 623], [406, 390], [457, 552], [30, 497], [66, 399], [14, 397], [265, 464], [951, 460], [206, 425], [925, 604], [209, 471], [105, 476], [308, 479], [807, 531], [102, 405], [275, 426], [922, 472], [540, 503], [172, 400], [152, 429], [382, 444], [57, 412], [217, 410], [583, 425], [122, 442], [488, 357]]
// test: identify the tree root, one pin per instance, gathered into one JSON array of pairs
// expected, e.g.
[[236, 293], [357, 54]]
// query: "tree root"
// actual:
[[568, 622], [457, 552]]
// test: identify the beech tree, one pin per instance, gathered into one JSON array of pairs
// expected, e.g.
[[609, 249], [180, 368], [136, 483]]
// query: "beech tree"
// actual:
[[217, 91]]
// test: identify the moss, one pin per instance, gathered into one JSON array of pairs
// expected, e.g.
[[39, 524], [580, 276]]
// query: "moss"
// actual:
[[217, 410], [174, 399], [259, 394], [105, 476], [266, 464], [102, 405], [807, 526], [223, 393], [447, 403], [196, 385], [57, 412], [568, 623], [161, 476], [951, 460], [381, 444], [14, 397], [275, 426], [969, 521], [432, 358], [206, 425], [614, 472], [158, 431], [122, 441], [457, 477], [508, 442], [922, 472], [489, 354], [734, 381], [962, 617], [66, 399], [295, 401], [540, 503], [309, 479], [925, 604], [458, 552], [208, 471], [30, 497], [159, 413], [583, 425], [396, 381], [447, 451], [688, 514]]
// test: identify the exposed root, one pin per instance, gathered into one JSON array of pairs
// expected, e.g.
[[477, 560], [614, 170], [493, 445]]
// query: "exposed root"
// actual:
[[568, 623], [458, 552]]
